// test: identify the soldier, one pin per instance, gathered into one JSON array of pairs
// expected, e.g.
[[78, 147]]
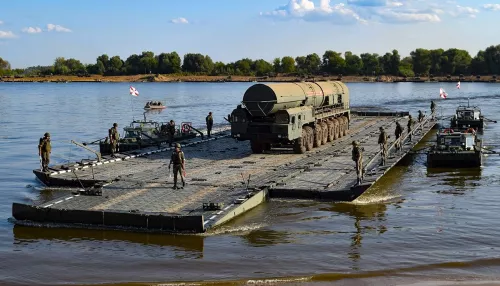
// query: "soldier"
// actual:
[[410, 124], [177, 159], [433, 109], [171, 132], [357, 157], [210, 122], [114, 136], [382, 140], [398, 132], [420, 118], [44, 150]]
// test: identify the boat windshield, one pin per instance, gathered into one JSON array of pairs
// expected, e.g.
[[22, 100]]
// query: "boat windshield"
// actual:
[[468, 114]]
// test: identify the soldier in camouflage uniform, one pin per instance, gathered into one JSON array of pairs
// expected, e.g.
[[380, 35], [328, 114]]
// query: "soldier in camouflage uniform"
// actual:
[[398, 132], [382, 140], [171, 132], [114, 136], [357, 157], [177, 159], [210, 123], [44, 150], [433, 109], [410, 124], [421, 117]]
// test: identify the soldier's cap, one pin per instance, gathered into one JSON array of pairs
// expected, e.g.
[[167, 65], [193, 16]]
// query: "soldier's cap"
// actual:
[[115, 124], [177, 145], [381, 128], [354, 143], [210, 112], [47, 134]]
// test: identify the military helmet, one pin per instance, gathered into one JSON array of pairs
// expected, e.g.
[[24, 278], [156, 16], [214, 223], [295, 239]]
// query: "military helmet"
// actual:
[[115, 124], [354, 143], [177, 145], [47, 134]]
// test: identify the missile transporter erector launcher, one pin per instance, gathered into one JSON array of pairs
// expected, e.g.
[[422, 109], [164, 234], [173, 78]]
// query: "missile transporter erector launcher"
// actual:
[[301, 115]]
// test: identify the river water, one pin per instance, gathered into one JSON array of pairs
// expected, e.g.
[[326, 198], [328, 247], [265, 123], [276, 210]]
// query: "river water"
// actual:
[[413, 226]]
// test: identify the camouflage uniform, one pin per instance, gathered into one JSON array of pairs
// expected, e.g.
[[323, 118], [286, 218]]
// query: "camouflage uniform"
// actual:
[[44, 150], [398, 132], [357, 157], [382, 140], [114, 136], [420, 116], [409, 125], [171, 132], [177, 159], [210, 122], [433, 109]]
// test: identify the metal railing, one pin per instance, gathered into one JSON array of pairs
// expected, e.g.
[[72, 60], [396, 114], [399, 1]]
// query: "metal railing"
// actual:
[[402, 139]]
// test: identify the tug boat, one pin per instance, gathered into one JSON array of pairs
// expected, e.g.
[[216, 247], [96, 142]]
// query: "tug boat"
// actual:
[[455, 149], [467, 117]]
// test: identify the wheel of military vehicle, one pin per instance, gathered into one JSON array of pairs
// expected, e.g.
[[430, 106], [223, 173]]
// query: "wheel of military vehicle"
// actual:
[[341, 126], [310, 138], [256, 146], [266, 146], [331, 129], [335, 129], [299, 146], [346, 128], [324, 127], [318, 135]]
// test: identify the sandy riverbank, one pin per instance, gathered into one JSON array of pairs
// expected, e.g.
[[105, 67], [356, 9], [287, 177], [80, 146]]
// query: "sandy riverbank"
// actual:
[[204, 78]]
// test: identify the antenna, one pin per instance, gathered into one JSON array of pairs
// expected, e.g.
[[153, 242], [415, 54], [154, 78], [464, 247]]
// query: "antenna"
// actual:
[[441, 117]]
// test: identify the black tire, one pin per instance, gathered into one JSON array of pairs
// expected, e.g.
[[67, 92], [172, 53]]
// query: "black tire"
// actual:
[[324, 138], [335, 129], [310, 138], [257, 147], [299, 146], [318, 135], [346, 129], [331, 131]]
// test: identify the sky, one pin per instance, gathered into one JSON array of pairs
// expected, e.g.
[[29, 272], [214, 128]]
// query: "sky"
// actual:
[[35, 32]]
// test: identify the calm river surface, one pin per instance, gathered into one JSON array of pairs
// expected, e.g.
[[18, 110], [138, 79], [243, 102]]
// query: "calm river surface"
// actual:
[[415, 226]]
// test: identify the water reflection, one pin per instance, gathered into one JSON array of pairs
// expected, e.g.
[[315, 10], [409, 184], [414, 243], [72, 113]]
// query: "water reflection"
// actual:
[[459, 180], [192, 245], [367, 218], [266, 237]]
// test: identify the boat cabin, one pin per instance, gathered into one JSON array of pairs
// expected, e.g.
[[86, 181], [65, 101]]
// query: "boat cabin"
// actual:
[[467, 116], [448, 140], [468, 113], [138, 128]]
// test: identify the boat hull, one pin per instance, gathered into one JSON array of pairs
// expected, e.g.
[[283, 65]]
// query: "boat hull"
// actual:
[[464, 124], [465, 159], [105, 147], [155, 108]]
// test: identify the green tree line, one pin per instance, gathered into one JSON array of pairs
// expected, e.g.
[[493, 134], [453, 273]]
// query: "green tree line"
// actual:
[[421, 62]]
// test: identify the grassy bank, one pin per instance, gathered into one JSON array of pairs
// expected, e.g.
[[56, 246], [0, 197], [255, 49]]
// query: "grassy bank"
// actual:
[[205, 78]]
